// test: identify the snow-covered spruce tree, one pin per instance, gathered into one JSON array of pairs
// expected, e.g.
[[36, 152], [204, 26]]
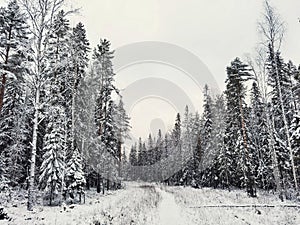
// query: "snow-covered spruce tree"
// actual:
[[207, 120], [159, 146], [193, 163], [133, 155], [144, 158], [282, 113], [53, 166], [57, 88], [295, 141], [110, 140], [75, 176], [159, 151], [176, 132], [40, 18], [79, 49], [140, 153], [151, 154], [14, 42], [124, 165], [292, 74], [184, 148], [206, 139], [175, 147], [167, 146], [85, 124], [105, 107], [122, 128], [133, 160], [236, 164], [146, 174], [102, 66], [59, 70], [218, 135], [259, 137], [14, 130]]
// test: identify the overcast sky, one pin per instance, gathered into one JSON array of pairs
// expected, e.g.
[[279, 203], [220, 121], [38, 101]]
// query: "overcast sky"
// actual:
[[216, 31]]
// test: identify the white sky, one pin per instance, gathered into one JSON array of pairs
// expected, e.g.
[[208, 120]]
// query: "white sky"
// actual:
[[216, 31]]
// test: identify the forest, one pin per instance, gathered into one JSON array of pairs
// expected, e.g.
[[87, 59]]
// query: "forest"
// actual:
[[56, 90]]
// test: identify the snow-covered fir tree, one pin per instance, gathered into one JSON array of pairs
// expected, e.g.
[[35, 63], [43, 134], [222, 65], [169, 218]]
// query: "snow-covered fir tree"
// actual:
[[259, 137], [133, 155], [236, 163], [122, 128], [133, 161], [75, 175], [79, 49], [57, 94], [53, 167], [14, 111], [218, 137], [105, 110], [205, 137]]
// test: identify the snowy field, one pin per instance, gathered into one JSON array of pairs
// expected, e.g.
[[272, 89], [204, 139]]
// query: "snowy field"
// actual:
[[151, 204]]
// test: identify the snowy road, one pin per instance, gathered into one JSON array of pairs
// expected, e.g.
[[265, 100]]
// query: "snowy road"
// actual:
[[169, 211], [152, 204]]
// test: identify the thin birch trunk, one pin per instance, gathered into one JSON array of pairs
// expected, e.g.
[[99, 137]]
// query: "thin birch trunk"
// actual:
[[30, 202]]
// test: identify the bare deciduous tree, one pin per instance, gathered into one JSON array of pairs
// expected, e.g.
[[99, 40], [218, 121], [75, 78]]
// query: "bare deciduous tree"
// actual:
[[272, 29], [40, 15]]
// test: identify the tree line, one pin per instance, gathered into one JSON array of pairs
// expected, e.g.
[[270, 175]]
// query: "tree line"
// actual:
[[44, 65]]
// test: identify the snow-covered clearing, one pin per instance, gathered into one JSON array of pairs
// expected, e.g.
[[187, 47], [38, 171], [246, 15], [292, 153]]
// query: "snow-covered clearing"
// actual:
[[152, 204]]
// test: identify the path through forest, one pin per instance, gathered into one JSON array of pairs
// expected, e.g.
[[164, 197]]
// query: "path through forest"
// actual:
[[169, 211]]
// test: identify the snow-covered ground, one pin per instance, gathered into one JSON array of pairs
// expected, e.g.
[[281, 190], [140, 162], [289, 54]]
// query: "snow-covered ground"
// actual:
[[210, 206], [152, 204]]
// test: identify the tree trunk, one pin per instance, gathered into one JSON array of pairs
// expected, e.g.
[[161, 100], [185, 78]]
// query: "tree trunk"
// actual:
[[107, 184], [87, 182], [2, 89], [120, 156], [51, 194], [98, 183], [33, 153], [103, 188]]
